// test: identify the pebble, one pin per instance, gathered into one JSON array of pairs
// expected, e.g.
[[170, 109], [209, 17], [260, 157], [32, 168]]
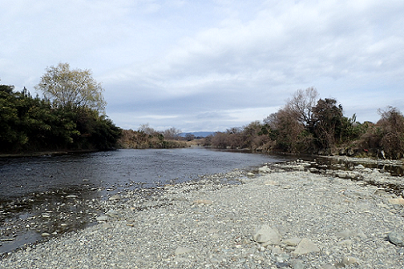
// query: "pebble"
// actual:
[[305, 246], [289, 219], [397, 238]]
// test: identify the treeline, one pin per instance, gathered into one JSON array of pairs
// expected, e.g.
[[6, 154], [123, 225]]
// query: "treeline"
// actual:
[[29, 124], [309, 125], [147, 137]]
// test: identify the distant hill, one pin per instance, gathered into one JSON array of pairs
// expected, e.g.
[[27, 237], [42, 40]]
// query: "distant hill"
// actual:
[[197, 134]]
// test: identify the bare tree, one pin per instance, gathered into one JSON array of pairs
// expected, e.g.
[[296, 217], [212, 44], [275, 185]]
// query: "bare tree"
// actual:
[[145, 128], [301, 105], [172, 133], [77, 88]]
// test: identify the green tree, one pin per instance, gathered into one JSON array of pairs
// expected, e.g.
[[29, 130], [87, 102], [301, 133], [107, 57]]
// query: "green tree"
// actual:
[[75, 88], [328, 122]]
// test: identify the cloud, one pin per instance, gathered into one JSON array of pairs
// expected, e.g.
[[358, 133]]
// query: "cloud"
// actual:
[[211, 64]]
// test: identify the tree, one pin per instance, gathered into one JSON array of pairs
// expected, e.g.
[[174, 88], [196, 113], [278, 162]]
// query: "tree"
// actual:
[[301, 105], [392, 130], [172, 133], [73, 88], [328, 122]]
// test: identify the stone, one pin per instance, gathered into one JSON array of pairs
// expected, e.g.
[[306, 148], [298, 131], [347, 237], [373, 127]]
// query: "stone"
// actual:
[[346, 243], [349, 260], [397, 201], [45, 234], [71, 196], [266, 235], [113, 214], [115, 197], [396, 238], [263, 170], [182, 250], [345, 233], [297, 264], [305, 246], [276, 250], [102, 218], [292, 241], [328, 266]]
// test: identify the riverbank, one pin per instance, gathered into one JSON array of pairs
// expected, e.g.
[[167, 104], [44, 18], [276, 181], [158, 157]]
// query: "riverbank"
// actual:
[[46, 153], [288, 216]]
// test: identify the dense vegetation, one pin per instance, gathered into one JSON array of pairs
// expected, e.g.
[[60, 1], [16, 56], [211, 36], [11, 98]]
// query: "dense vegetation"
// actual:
[[30, 124], [310, 125], [147, 137]]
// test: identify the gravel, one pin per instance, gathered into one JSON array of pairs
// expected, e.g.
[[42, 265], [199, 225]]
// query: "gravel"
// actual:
[[283, 217]]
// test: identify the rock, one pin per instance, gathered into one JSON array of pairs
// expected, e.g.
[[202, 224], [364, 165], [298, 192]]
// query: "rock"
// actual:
[[266, 235], [71, 196], [113, 214], [349, 261], [359, 166], [313, 170], [115, 197], [297, 264], [346, 243], [265, 169], [182, 250], [249, 174], [345, 233], [6, 239], [45, 234], [292, 241], [102, 218], [276, 250], [305, 246], [396, 238], [397, 201], [328, 266]]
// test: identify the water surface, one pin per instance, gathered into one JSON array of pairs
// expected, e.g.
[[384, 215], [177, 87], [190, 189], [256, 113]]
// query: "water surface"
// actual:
[[58, 194]]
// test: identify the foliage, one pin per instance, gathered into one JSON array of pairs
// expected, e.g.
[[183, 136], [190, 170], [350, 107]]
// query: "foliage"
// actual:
[[71, 88], [34, 124], [307, 124], [386, 135], [147, 137], [327, 122]]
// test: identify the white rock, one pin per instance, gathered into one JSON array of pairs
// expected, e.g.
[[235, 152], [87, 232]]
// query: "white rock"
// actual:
[[102, 218], [267, 236], [292, 241], [306, 246]]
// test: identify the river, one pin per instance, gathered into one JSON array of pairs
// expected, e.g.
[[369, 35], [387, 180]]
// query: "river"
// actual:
[[36, 192]]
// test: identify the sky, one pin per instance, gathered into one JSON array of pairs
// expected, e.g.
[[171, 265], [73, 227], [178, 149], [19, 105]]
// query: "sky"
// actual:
[[210, 65]]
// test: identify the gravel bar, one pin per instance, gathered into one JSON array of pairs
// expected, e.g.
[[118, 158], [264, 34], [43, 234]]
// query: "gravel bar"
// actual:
[[283, 217]]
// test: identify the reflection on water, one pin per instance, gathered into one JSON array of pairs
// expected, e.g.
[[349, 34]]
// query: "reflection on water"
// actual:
[[45, 196]]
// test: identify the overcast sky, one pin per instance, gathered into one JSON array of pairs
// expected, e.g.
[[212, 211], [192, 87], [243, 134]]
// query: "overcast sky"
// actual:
[[209, 65]]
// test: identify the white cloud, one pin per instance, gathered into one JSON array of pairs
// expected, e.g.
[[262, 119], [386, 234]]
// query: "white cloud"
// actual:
[[223, 58]]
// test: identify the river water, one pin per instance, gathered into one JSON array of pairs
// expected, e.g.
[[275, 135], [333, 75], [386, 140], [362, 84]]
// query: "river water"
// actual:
[[57, 193]]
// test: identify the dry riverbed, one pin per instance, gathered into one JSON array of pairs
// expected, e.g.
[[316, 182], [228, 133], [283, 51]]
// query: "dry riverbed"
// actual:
[[290, 215]]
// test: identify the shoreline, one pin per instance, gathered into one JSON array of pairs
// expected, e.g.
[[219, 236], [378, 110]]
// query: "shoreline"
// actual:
[[288, 215]]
